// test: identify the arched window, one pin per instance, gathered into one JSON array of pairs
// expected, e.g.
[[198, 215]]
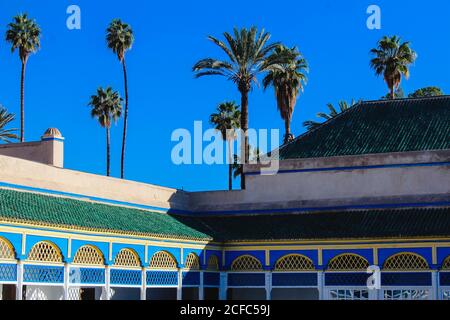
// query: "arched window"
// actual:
[[446, 264], [294, 262], [348, 262], [406, 261], [127, 258], [192, 262], [163, 260], [213, 263], [246, 263], [45, 252], [89, 255], [6, 250]]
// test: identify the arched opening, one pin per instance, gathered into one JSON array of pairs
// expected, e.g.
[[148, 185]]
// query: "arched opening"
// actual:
[[412, 266], [7, 270], [294, 278], [346, 278], [126, 271], [162, 278], [88, 273], [44, 266], [251, 290]]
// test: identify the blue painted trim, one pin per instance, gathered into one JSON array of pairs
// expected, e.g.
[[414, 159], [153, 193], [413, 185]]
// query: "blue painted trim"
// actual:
[[90, 198], [334, 208], [53, 139], [381, 166]]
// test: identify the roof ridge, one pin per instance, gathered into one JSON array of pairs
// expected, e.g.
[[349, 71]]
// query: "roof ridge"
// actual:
[[444, 96]]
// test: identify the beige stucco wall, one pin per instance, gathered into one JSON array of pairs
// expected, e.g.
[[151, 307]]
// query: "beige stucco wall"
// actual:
[[36, 175], [338, 187], [284, 190], [49, 152]]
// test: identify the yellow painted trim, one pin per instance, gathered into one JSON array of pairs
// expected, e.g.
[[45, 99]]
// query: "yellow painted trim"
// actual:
[[320, 256], [10, 246], [267, 257], [99, 238], [146, 253], [375, 256], [66, 228], [69, 247], [110, 251], [57, 249], [434, 255], [223, 258], [334, 241], [133, 252]]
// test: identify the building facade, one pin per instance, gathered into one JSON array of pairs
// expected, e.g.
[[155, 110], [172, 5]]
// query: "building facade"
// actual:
[[368, 191]]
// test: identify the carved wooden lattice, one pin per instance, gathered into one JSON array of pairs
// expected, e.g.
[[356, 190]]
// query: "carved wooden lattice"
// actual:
[[88, 255], [45, 252], [294, 262], [405, 262], [348, 262], [213, 263], [246, 263], [6, 250], [163, 260], [192, 262], [127, 258]]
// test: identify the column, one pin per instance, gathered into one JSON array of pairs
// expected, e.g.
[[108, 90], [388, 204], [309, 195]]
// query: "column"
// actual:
[[107, 283], [268, 285], [223, 286], [180, 285], [66, 281], [19, 288], [435, 283], [144, 285], [201, 293], [321, 284]]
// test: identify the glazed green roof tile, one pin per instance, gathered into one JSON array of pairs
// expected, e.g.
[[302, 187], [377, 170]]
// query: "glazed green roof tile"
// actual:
[[71, 213], [378, 127], [403, 223]]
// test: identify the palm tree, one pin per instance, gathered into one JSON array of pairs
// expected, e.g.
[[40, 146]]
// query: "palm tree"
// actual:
[[392, 60], [287, 79], [343, 106], [247, 51], [238, 168], [24, 35], [120, 38], [6, 135], [226, 120], [106, 107]]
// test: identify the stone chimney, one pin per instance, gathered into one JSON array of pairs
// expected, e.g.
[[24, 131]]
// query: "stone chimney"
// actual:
[[53, 147]]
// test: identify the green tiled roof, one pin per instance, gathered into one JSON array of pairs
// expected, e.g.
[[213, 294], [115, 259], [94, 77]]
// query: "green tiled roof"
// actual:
[[46, 210], [363, 224], [378, 127]]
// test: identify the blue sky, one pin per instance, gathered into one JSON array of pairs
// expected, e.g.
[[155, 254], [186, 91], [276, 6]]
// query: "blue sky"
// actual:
[[170, 38]]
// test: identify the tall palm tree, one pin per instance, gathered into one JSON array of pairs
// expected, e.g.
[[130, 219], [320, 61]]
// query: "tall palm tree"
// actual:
[[287, 79], [24, 35], [392, 59], [120, 38], [246, 51], [226, 120], [333, 112], [6, 135], [106, 108]]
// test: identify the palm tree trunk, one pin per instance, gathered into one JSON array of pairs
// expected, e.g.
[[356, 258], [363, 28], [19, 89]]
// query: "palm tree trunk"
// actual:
[[230, 166], [108, 152], [22, 103], [125, 121], [244, 127], [287, 127], [392, 93]]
